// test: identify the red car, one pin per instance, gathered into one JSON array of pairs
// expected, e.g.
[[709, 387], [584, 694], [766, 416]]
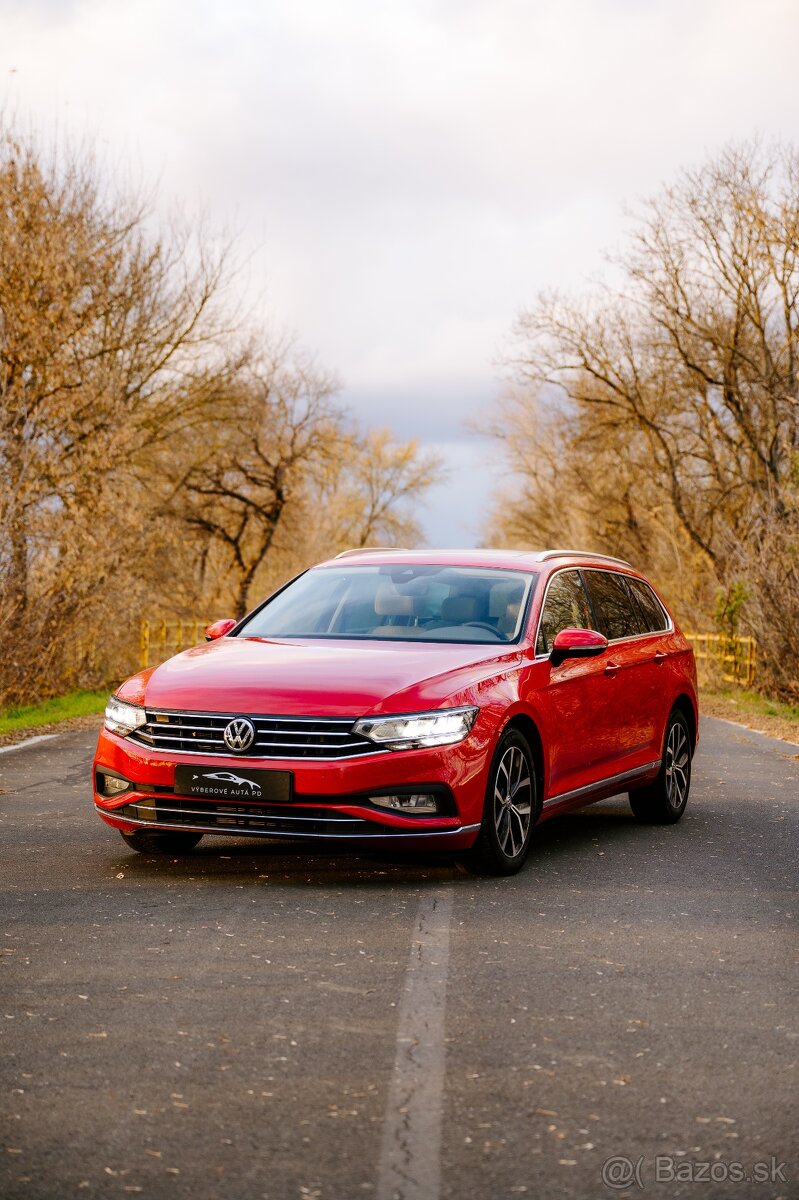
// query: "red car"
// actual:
[[424, 699]]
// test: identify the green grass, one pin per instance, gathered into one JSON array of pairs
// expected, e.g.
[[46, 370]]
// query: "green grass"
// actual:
[[753, 704], [75, 704], [83, 704]]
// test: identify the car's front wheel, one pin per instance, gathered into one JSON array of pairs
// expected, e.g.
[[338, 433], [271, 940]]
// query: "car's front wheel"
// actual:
[[160, 841], [663, 802], [510, 809]]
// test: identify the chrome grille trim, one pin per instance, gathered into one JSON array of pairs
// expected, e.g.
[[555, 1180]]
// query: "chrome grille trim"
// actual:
[[276, 737], [284, 827]]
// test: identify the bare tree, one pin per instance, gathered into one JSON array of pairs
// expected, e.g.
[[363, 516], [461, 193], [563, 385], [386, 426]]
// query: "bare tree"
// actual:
[[291, 481], [285, 428], [110, 337], [371, 491], [156, 456], [682, 383]]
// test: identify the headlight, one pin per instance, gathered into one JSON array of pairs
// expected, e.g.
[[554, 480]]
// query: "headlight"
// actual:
[[441, 728], [123, 718]]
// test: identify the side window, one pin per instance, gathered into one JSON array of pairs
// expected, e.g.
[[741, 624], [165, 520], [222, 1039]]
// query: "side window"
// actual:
[[566, 607], [651, 609], [614, 607]]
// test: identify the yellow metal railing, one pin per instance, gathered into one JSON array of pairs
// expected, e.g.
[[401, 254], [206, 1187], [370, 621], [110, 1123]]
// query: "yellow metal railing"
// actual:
[[159, 640], [735, 657]]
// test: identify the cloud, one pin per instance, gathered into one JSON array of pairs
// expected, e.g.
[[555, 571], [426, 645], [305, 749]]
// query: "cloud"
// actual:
[[409, 173]]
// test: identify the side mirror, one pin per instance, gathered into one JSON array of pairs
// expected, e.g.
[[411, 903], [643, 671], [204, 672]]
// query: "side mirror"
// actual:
[[219, 629], [577, 643]]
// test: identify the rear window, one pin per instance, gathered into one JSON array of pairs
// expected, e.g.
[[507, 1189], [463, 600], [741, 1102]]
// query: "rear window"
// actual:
[[413, 602], [616, 613], [651, 609]]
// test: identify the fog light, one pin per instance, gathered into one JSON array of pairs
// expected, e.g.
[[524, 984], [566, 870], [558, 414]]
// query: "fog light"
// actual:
[[111, 785], [422, 803]]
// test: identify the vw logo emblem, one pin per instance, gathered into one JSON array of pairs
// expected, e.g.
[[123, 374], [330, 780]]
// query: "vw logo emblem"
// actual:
[[239, 735]]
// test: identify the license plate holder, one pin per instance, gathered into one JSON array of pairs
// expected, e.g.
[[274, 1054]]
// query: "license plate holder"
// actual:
[[213, 783]]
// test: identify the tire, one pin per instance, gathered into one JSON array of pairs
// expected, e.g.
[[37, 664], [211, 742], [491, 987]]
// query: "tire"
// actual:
[[160, 841], [510, 809], [663, 802]]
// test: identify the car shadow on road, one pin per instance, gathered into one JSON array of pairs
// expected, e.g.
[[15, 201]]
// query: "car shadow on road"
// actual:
[[302, 864]]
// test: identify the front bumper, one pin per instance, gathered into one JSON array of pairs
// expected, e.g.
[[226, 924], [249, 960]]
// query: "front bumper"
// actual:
[[329, 803]]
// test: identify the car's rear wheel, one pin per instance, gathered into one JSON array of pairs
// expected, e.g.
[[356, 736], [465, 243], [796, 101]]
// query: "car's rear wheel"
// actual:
[[160, 841], [509, 811], [663, 802]]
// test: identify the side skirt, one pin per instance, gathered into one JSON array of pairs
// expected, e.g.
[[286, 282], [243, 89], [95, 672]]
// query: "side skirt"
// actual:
[[607, 787]]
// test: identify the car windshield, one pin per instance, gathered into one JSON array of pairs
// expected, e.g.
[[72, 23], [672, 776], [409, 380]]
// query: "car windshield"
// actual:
[[413, 602]]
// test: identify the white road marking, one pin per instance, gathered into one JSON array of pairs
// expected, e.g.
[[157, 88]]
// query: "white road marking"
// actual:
[[410, 1157], [41, 737], [750, 729]]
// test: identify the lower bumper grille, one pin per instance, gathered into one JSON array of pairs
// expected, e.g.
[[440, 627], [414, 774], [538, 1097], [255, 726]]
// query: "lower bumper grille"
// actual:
[[240, 817], [262, 820]]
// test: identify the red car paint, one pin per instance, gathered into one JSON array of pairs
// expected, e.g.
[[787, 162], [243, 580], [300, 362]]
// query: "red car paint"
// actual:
[[596, 723]]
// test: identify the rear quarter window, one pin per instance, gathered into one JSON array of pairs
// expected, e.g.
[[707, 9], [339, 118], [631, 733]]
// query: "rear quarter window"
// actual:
[[651, 609]]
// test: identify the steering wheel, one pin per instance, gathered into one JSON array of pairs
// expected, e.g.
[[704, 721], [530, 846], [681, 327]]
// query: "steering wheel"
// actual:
[[484, 625]]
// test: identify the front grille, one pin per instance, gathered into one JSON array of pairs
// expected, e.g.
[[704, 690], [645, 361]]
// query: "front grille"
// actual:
[[240, 817], [275, 737]]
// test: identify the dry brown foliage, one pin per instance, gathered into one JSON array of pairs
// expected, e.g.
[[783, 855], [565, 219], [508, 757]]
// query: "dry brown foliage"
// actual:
[[660, 420], [289, 480], [157, 456]]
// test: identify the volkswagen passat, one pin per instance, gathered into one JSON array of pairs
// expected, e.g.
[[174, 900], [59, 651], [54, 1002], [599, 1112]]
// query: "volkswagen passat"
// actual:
[[423, 699]]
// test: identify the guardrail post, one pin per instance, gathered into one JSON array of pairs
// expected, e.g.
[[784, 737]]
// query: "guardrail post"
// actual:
[[144, 645], [160, 639]]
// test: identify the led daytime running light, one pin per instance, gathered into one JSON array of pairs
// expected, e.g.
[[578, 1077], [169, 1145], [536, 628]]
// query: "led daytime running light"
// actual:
[[444, 727], [123, 718]]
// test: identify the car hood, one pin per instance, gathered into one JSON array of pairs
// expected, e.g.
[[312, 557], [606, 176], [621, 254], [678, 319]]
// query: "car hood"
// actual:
[[319, 678]]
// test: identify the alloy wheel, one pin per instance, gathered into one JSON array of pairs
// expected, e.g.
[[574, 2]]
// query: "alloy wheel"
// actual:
[[678, 761], [513, 796]]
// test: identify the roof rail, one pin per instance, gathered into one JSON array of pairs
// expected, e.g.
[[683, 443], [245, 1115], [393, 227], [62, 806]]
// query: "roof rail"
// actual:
[[547, 554], [369, 550]]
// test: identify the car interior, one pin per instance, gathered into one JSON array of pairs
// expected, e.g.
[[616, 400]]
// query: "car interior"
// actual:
[[433, 604]]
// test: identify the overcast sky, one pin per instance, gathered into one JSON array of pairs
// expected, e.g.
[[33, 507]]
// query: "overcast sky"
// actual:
[[408, 174]]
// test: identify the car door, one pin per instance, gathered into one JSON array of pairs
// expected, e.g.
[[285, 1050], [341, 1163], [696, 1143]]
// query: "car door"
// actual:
[[570, 696], [657, 651], [630, 715]]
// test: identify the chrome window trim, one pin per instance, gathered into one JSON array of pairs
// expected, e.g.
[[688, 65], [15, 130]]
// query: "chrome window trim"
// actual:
[[615, 641]]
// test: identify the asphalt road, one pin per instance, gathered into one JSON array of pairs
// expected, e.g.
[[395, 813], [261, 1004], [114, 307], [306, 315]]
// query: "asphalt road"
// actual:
[[270, 1021]]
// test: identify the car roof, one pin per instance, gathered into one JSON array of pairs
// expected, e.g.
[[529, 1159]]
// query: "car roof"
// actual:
[[519, 560]]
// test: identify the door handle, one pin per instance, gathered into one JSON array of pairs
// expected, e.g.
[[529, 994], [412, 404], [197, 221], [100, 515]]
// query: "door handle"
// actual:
[[660, 655], [611, 668]]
